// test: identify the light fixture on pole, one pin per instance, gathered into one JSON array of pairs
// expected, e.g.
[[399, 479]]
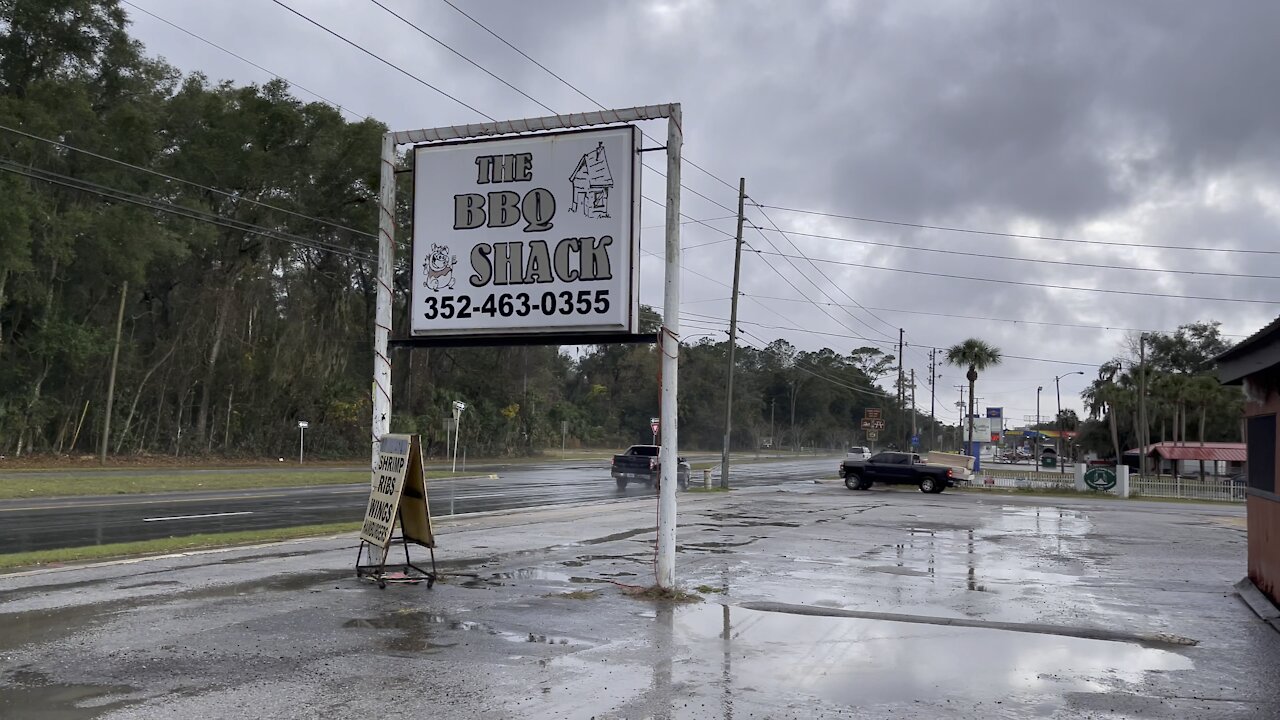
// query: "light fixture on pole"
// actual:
[[458, 407], [302, 431], [1058, 392]]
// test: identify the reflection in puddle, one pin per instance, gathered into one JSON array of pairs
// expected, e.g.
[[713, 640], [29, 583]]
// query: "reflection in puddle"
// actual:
[[868, 662]]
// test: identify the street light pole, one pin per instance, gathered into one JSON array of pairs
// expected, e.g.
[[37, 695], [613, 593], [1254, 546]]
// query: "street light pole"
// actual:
[[1058, 391], [1037, 450]]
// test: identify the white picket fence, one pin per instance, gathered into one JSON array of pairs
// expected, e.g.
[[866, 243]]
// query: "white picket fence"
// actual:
[[1163, 486], [1166, 486]]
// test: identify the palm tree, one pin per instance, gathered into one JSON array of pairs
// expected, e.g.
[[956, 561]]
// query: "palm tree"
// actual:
[[976, 355], [1100, 400]]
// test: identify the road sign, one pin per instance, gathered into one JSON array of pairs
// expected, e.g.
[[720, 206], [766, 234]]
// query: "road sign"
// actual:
[[915, 441], [873, 435], [304, 424], [871, 413], [653, 428], [872, 424], [522, 235]]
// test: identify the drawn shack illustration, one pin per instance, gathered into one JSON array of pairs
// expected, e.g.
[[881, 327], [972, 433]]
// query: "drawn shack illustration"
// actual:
[[591, 182]]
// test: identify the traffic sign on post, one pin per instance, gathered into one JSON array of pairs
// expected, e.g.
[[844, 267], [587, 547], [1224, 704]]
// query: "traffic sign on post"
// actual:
[[872, 424], [871, 413]]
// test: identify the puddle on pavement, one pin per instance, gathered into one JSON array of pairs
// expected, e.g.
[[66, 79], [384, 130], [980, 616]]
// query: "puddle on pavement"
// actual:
[[419, 631], [867, 662], [32, 696]]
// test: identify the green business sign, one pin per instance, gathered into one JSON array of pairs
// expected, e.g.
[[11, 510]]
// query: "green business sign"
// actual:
[[1100, 478]]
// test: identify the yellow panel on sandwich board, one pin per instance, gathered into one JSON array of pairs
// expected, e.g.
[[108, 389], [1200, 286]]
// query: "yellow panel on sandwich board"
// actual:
[[415, 513]]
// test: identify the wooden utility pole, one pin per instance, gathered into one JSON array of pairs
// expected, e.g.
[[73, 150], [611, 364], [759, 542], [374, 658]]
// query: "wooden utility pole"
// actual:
[[914, 429], [933, 393], [733, 339], [1143, 437], [111, 378], [901, 394]]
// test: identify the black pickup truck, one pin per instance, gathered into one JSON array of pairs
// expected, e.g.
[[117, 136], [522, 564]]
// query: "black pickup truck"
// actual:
[[640, 464], [895, 468]]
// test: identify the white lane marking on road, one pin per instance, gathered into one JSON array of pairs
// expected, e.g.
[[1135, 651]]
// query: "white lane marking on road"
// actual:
[[194, 517]]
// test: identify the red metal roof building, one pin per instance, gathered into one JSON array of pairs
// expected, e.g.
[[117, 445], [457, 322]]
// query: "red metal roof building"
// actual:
[[1225, 452]]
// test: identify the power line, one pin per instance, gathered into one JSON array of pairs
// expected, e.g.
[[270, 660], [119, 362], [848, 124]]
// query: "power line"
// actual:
[[883, 342], [1027, 322], [340, 107], [839, 287], [1023, 259], [1028, 284], [386, 62], [487, 72], [588, 98], [993, 233], [473, 63], [816, 287], [157, 173], [243, 59], [8, 165]]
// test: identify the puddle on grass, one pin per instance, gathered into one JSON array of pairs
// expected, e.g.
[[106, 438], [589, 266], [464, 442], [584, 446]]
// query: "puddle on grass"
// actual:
[[868, 662]]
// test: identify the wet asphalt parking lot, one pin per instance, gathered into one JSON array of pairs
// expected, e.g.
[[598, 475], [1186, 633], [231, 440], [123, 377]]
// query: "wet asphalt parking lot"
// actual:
[[1068, 608]]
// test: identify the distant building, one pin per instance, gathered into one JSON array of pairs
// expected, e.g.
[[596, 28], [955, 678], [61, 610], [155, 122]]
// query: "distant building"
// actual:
[[1255, 364], [1219, 458]]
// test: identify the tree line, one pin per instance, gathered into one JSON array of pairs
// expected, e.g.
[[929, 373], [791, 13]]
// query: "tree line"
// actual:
[[234, 226]]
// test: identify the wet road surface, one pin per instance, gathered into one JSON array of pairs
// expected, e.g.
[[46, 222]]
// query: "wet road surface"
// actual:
[[530, 621], [40, 524]]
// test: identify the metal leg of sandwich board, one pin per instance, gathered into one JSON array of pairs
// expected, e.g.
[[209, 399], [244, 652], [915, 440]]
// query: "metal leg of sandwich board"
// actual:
[[378, 572], [373, 571]]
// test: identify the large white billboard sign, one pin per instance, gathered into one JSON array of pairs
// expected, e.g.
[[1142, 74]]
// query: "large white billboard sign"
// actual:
[[528, 234]]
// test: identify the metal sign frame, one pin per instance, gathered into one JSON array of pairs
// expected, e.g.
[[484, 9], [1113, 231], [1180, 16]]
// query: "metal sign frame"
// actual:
[[668, 339], [629, 246]]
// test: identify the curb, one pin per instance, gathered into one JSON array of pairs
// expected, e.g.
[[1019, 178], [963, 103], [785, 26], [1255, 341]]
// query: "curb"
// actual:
[[1260, 604]]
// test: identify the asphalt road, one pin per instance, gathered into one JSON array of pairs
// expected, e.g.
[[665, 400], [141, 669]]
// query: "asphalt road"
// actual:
[[39, 524]]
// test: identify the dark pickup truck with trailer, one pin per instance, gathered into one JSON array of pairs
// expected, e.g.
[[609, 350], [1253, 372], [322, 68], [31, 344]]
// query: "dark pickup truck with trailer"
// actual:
[[896, 468], [640, 464]]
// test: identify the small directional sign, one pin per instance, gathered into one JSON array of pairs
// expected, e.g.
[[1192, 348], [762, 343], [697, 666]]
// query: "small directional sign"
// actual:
[[872, 424], [873, 435]]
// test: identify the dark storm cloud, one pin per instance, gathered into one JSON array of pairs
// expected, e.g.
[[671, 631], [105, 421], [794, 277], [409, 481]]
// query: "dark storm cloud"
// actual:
[[1149, 122]]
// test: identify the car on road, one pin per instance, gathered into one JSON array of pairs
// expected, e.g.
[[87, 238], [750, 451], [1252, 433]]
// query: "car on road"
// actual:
[[896, 468], [639, 463], [858, 452]]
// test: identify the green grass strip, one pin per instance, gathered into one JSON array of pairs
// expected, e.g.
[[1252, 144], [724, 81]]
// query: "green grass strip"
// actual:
[[163, 546]]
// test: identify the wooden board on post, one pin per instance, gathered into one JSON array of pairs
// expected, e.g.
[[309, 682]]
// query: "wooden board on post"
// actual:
[[397, 496]]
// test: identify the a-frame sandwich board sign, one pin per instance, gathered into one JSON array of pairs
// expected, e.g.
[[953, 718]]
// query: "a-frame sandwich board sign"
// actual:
[[397, 496]]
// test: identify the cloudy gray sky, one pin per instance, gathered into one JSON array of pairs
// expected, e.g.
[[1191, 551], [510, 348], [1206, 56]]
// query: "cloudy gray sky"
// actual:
[[1155, 123]]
